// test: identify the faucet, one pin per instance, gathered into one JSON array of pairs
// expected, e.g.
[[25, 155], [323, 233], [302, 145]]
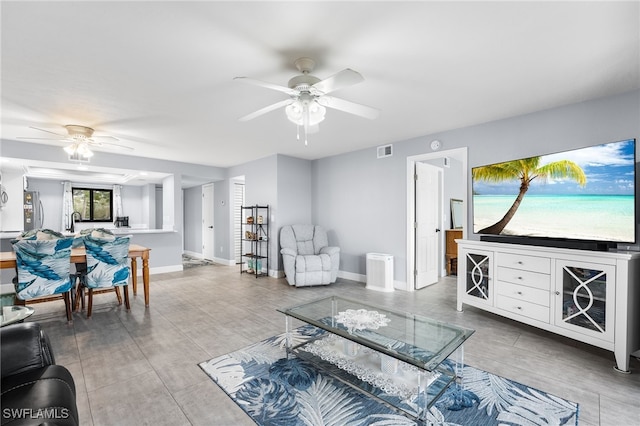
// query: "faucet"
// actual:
[[73, 220]]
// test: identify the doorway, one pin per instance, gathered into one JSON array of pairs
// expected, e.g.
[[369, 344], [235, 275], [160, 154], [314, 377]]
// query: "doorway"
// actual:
[[454, 185]]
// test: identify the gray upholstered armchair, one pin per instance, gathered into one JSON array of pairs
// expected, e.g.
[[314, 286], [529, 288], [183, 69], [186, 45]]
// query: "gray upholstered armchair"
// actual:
[[306, 256]]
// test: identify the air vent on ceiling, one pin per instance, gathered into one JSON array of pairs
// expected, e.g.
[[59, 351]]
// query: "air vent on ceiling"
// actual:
[[385, 151]]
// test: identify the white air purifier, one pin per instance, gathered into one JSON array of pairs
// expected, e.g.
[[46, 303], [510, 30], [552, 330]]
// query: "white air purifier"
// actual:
[[379, 272]]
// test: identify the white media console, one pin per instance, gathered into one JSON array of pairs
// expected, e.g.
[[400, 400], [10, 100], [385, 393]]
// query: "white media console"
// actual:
[[590, 296]]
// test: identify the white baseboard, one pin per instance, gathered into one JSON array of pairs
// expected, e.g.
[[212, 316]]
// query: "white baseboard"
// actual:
[[398, 285], [352, 276]]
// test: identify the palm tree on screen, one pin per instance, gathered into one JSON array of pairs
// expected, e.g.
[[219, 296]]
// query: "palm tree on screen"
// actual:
[[525, 170]]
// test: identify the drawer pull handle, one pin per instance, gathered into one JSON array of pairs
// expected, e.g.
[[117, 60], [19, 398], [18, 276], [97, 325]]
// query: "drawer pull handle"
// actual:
[[519, 308], [519, 278], [519, 262], [519, 292]]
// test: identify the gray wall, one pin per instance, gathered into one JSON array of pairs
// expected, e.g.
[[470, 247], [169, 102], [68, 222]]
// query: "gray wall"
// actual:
[[294, 191], [359, 199], [362, 199], [294, 199], [261, 188]]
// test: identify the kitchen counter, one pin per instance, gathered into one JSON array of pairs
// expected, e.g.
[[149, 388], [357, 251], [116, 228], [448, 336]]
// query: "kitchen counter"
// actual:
[[9, 234], [117, 231], [127, 231]]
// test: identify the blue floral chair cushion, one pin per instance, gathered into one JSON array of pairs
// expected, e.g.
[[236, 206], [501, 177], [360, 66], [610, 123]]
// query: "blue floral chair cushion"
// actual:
[[94, 232], [43, 265], [107, 264], [40, 234]]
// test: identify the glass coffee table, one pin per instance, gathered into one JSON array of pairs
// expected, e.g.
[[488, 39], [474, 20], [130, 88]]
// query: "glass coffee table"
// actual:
[[405, 360], [14, 313]]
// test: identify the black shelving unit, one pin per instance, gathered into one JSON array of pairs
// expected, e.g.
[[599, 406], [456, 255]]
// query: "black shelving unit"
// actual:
[[255, 240]]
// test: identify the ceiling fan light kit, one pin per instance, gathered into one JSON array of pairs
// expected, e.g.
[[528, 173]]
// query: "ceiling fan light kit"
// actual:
[[308, 102], [79, 149], [81, 139]]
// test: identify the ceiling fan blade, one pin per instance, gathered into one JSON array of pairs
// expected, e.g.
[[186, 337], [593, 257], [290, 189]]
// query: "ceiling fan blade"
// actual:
[[113, 138], [49, 131], [266, 110], [348, 106], [260, 83], [346, 77], [62, 138]]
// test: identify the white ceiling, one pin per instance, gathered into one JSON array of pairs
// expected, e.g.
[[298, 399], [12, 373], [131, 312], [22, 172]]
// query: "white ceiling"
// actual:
[[159, 75]]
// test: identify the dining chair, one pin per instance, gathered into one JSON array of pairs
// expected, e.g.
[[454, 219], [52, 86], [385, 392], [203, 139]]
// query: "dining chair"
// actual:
[[43, 263], [81, 268], [107, 266]]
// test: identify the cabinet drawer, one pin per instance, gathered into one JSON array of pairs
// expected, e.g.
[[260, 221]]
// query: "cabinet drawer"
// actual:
[[520, 292], [518, 276], [520, 307], [527, 263]]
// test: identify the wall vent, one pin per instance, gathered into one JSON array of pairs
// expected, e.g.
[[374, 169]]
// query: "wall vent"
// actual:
[[385, 151]]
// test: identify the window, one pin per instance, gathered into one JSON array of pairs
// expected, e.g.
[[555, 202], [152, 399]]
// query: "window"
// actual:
[[94, 205]]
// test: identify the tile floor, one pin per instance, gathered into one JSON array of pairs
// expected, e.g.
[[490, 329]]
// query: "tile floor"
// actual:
[[141, 367]]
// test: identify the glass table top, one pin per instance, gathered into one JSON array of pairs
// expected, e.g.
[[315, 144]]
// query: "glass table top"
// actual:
[[412, 338], [12, 314]]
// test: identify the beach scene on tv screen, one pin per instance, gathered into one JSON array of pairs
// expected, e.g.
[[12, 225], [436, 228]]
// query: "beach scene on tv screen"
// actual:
[[586, 193]]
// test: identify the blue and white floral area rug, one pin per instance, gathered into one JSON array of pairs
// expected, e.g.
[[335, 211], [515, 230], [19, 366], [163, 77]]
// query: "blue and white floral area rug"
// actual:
[[274, 390]]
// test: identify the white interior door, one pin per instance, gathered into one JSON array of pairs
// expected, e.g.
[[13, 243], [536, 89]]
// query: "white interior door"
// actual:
[[208, 250], [427, 228]]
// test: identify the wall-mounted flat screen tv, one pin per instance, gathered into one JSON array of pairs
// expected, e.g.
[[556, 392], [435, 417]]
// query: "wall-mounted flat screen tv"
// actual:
[[585, 194]]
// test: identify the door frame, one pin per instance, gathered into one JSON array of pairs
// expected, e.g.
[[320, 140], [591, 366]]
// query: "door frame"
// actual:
[[458, 153], [208, 188]]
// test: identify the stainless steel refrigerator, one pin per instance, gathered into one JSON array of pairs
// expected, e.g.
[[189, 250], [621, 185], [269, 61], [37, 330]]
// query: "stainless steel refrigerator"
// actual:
[[33, 212]]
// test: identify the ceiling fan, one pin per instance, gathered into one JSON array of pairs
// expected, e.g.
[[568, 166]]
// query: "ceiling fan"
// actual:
[[81, 139], [309, 97]]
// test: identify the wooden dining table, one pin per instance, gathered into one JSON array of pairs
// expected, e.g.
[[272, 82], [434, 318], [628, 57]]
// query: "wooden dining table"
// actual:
[[78, 255]]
